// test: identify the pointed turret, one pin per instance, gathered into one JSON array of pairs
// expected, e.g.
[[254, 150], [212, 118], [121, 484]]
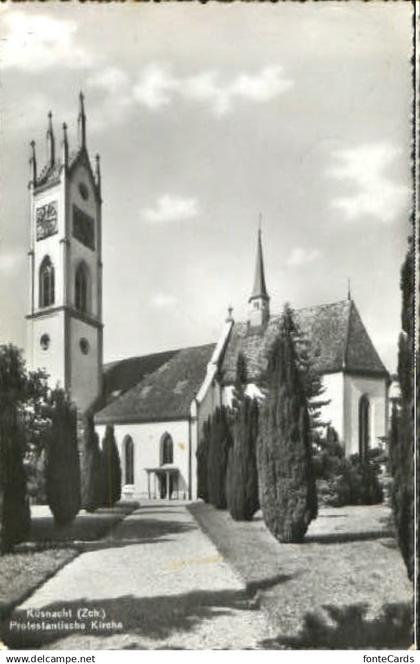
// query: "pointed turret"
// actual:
[[50, 142], [65, 147], [259, 302], [98, 173], [81, 121], [32, 162]]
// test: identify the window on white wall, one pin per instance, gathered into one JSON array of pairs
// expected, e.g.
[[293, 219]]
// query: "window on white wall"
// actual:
[[364, 426], [81, 288], [46, 283], [166, 449]]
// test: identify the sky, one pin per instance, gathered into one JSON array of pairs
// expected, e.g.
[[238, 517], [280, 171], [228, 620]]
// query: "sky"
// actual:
[[206, 116]]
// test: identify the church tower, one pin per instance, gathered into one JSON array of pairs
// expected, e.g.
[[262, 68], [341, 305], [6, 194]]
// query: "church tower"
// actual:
[[259, 302], [65, 328]]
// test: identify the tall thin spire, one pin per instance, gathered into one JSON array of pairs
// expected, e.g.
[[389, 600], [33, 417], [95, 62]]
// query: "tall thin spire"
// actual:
[[259, 301], [81, 121], [50, 141], [348, 288], [32, 162], [98, 173], [260, 288]]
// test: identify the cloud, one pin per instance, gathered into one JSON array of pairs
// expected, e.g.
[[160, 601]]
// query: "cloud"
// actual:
[[154, 86], [111, 79], [163, 301], [170, 208], [157, 87], [35, 42], [376, 194], [301, 256]]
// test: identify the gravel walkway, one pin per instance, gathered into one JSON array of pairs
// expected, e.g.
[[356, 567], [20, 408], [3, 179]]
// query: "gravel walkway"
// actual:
[[156, 582]]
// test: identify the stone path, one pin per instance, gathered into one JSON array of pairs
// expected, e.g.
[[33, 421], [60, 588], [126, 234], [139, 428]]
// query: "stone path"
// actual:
[[156, 582]]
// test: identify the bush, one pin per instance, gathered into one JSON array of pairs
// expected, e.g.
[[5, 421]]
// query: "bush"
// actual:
[[111, 469], [62, 464], [287, 484], [92, 476], [34, 463], [219, 443]]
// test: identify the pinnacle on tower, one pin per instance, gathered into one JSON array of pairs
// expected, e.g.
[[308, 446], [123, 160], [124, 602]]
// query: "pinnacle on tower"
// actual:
[[50, 141], [65, 146], [32, 162], [98, 172], [82, 121]]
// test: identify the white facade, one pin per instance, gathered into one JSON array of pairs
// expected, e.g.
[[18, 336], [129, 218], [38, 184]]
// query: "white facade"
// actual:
[[63, 337]]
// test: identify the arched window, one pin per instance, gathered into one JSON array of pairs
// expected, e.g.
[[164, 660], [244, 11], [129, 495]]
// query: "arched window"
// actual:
[[46, 283], [129, 460], [81, 288], [166, 449], [364, 426]]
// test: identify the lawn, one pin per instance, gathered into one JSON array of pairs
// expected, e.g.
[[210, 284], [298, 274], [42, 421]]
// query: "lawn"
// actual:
[[344, 587], [49, 548]]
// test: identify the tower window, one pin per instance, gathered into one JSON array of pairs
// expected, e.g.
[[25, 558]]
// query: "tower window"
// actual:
[[45, 341], [81, 288], [46, 283]]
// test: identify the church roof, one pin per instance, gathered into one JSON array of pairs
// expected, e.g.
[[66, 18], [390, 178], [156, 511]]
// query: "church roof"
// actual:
[[50, 174], [338, 342], [165, 392]]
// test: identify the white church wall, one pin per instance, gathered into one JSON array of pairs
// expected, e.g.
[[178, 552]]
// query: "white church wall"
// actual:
[[52, 358], [146, 440], [333, 412], [376, 391], [84, 377]]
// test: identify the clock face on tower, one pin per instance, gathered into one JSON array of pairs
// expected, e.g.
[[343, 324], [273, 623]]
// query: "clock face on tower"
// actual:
[[46, 220]]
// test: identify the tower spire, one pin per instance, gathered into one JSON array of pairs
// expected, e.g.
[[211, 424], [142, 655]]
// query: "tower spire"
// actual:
[[98, 173], [259, 310], [348, 288], [50, 141], [81, 121]]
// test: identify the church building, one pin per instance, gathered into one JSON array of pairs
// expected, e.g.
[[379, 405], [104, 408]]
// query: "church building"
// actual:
[[158, 403]]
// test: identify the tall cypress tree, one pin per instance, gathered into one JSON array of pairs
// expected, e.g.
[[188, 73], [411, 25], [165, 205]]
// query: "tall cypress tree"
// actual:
[[62, 465], [111, 468], [14, 503], [220, 441], [287, 484], [202, 461], [92, 476], [241, 475], [402, 428]]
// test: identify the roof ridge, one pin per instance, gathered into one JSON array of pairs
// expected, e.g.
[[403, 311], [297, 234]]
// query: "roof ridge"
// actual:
[[158, 352]]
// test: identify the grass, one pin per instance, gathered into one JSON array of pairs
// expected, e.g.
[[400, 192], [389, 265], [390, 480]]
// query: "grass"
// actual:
[[49, 548], [344, 587]]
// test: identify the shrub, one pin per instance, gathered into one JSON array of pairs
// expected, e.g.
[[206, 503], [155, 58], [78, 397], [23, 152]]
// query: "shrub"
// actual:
[[92, 476], [219, 444], [285, 472], [111, 469], [62, 464]]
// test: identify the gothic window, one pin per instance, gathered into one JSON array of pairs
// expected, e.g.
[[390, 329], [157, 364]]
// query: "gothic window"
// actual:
[[46, 283], [129, 460], [364, 426], [166, 450], [81, 288]]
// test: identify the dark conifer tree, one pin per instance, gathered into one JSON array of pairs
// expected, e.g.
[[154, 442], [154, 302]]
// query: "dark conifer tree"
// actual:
[[111, 468], [241, 475], [220, 441], [14, 502], [285, 473], [202, 461], [62, 465], [92, 475], [402, 428]]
